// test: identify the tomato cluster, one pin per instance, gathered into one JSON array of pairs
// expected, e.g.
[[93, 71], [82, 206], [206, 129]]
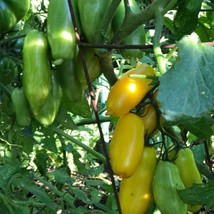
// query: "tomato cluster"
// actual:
[[145, 180], [52, 66], [130, 158]]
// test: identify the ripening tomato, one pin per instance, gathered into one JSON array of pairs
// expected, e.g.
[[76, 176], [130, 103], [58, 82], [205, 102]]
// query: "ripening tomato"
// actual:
[[127, 145], [149, 117], [137, 189], [128, 91]]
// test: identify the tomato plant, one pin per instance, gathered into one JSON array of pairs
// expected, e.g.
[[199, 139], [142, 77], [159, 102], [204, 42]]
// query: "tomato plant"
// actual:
[[94, 93]]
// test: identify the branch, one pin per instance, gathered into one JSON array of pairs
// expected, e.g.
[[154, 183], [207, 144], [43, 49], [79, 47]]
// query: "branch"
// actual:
[[87, 148], [156, 41], [132, 20], [86, 121], [107, 68]]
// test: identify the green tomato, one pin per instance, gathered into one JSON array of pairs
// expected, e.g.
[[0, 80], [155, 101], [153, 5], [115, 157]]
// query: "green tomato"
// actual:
[[12, 11], [60, 30], [91, 13], [21, 107], [49, 110], [67, 78], [166, 182], [189, 172], [37, 72]]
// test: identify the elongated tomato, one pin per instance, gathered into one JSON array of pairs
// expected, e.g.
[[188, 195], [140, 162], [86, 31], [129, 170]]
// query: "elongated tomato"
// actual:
[[128, 91], [127, 145], [137, 189]]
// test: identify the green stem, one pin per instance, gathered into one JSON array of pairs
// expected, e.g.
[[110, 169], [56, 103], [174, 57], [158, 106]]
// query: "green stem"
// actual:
[[86, 121], [107, 67], [107, 18], [11, 39], [65, 196], [169, 131], [87, 148], [29, 203], [135, 20], [143, 76], [170, 54], [9, 144], [6, 203], [156, 41]]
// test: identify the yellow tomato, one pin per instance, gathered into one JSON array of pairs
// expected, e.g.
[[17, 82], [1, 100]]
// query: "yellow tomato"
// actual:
[[149, 117], [136, 191], [127, 145], [128, 91]]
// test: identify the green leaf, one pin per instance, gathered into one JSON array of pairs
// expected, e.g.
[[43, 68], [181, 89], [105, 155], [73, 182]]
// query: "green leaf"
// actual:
[[81, 195], [199, 194], [205, 29], [80, 108], [41, 162], [49, 144], [186, 90], [61, 176], [6, 172], [27, 142], [65, 119], [23, 209], [200, 127], [41, 195], [168, 23], [186, 18], [94, 182]]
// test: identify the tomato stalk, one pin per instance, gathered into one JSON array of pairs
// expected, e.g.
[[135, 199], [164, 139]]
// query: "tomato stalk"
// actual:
[[107, 67], [171, 52], [85, 147], [7, 202], [156, 41], [135, 20]]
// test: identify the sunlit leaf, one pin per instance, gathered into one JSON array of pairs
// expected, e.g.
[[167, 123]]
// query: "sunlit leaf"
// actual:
[[186, 90]]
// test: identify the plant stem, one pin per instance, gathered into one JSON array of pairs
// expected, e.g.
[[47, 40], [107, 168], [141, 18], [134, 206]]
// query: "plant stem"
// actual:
[[86, 121], [87, 148], [29, 203], [156, 42], [169, 55], [107, 68], [6, 202], [135, 20]]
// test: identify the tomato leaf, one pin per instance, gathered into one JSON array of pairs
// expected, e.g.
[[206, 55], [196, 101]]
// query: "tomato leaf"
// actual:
[[81, 108], [199, 194], [200, 127], [186, 18], [186, 90], [41, 195]]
